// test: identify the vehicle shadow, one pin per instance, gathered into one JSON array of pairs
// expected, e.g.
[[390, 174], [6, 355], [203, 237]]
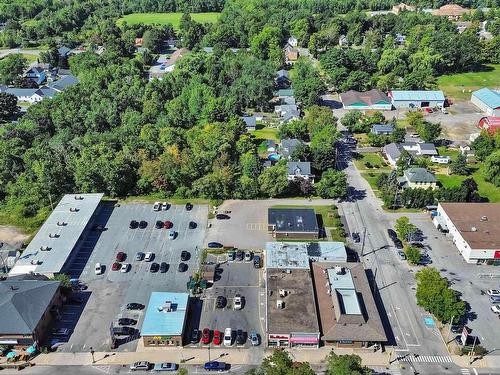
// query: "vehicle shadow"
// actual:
[[193, 318]]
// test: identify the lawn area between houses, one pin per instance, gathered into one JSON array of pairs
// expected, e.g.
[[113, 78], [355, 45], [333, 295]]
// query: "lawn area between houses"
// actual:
[[460, 86], [266, 133], [378, 166], [166, 18]]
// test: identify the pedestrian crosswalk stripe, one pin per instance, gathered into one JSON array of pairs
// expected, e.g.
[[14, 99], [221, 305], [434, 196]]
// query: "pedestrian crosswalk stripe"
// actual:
[[427, 359], [465, 371]]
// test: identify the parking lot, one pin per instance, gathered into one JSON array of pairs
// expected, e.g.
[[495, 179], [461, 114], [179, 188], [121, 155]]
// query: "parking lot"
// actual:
[[233, 278], [107, 294]]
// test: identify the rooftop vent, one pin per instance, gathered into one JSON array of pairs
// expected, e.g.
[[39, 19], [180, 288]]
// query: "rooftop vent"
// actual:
[[74, 209], [299, 219], [45, 248], [484, 218], [283, 293], [339, 270], [78, 197], [473, 229], [280, 305], [53, 235], [61, 224], [167, 307], [288, 270]]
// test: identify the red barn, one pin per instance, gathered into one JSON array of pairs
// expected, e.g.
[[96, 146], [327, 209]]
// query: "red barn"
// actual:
[[490, 124]]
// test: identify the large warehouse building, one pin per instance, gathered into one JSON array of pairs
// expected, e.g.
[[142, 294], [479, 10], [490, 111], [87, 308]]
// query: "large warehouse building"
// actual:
[[487, 100], [474, 229], [53, 246], [416, 99]]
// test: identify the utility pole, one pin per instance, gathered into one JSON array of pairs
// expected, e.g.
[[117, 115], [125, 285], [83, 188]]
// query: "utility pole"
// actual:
[[472, 351], [449, 328]]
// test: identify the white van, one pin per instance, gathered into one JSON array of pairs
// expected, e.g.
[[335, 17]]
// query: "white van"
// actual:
[[228, 337]]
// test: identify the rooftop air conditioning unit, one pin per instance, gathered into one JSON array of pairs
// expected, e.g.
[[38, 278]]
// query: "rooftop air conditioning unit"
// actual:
[[338, 270], [283, 293], [288, 270], [73, 209], [473, 229], [484, 218], [280, 304], [78, 197], [44, 248]]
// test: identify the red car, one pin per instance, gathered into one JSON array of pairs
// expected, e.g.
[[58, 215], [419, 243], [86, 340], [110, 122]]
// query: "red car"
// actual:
[[116, 266], [428, 110], [168, 224], [205, 336], [120, 257], [217, 337]]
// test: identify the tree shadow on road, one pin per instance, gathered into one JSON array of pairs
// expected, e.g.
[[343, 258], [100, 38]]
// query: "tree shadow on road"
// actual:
[[354, 195]]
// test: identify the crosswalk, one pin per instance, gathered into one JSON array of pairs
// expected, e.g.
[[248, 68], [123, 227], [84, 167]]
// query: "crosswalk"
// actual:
[[464, 371], [427, 359]]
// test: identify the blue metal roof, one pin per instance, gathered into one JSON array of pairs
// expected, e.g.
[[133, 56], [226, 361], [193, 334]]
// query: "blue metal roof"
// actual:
[[489, 97], [417, 95], [165, 315]]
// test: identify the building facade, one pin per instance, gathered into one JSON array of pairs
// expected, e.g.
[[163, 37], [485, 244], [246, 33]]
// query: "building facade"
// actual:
[[487, 100], [416, 99]]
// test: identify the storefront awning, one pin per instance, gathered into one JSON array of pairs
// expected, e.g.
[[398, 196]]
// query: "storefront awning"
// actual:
[[304, 340]]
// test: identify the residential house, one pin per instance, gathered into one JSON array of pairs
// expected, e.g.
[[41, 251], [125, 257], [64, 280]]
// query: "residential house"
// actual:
[[250, 122], [291, 54], [419, 178], [462, 26], [440, 159], [416, 98], [292, 42], [166, 64], [284, 93], [36, 74], [29, 95], [287, 112], [392, 152], [288, 146], [299, 169], [63, 83], [402, 7], [138, 42], [372, 99], [283, 79], [490, 124], [382, 129], [343, 41], [487, 100], [64, 51], [452, 11]]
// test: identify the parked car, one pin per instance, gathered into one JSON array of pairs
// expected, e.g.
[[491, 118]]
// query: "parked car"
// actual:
[[127, 322], [139, 256], [356, 237], [231, 256], [142, 365], [428, 110], [149, 256], [125, 267], [165, 366], [228, 337], [214, 245], [493, 292], [189, 206], [133, 224], [205, 336], [256, 261], [164, 206], [248, 256], [215, 366], [61, 332], [171, 234], [195, 336], [154, 267], [397, 243], [220, 302], [239, 255], [495, 309], [254, 338], [123, 331], [120, 257], [135, 306], [185, 255], [192, 225], [159, 224], [143, 224], [217, 339], [157, 206], [238, 302], [392, 233], [98, 268], [494, 299], [168, 224], [240, 337], [222, 217], [401, 255], [163, 267], [116, 266], [182, 267]]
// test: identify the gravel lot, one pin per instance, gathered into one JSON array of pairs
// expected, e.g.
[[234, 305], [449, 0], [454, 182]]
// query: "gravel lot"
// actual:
[[108, 294]]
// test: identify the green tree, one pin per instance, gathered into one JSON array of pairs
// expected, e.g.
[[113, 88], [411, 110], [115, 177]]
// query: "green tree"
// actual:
[[428, 131], [398, 135], [12, 67], [404, 228], [346, 364], [414, 118], [65, 282], [492, 168], [153, 39], [404, 162], [459, 165], [307, 84], [483, 146], [274, 181], [8, 107], [413, 254], [280, 363], [333, 184], [351, 119]]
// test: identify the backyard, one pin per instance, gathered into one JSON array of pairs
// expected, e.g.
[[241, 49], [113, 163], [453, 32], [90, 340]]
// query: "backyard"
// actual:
[[460, 86], [371, 165], [166, 18]]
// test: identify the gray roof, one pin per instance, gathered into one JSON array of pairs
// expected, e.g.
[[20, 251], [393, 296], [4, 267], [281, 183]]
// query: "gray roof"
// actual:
[[304, 167], [392, 150], [250, 121], [21, 92], [428, 149], [291, 255], [293, 220], [63, 83], [288, 145], [382, 128], [63, 51], [66, 225], [419, 175], [23, 303]]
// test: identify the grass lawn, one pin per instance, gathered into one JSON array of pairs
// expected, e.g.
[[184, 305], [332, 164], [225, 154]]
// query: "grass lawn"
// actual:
[[27, 225], [444, 151], [266, 133], [31, 58], [166, 18], [458, 85], [375, 159]]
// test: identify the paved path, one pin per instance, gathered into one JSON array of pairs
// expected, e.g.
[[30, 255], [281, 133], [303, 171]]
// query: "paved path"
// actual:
[[5, 52]]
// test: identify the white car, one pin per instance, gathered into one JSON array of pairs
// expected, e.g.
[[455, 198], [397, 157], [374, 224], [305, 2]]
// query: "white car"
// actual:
[[98, 268], [228, 337], [248, 256], [157, 206], [171, 235], [238, 303], [493, 292], [125, 267], [164, 206], [495, 309], [148, 257]]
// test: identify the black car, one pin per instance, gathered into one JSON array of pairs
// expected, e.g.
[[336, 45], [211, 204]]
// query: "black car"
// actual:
[[159, 224], [127, 322], [133, 224], [392, 233], [356, 237], [214, 245], [192, 225], [195, 336], [98, 227], [182, 267], [154, 267], [240, 337], [134, 306], [239, 255], [143, 224], [185, 255], [163, 267], [220, 302], [189, 206], [397, 243], [222, 217], [123, 331]]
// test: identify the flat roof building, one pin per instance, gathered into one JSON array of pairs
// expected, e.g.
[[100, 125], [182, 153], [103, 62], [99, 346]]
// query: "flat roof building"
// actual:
[[165, 319], [293, 223], [296, 255], [52, 247], [474, 228], [347, 311]]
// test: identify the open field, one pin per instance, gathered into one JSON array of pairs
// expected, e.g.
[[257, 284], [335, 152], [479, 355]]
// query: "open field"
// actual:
[[459, 86], [166, 18]]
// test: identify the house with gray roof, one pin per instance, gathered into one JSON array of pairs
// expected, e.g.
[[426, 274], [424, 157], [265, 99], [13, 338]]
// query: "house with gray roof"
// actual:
[[63, 51], [382, 129], [250, 122], [28, 307], [287, 112], [63, 83], [288, 146], [392, 152], [299, 169], [283, 79], [29, 95], [417, 178]]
